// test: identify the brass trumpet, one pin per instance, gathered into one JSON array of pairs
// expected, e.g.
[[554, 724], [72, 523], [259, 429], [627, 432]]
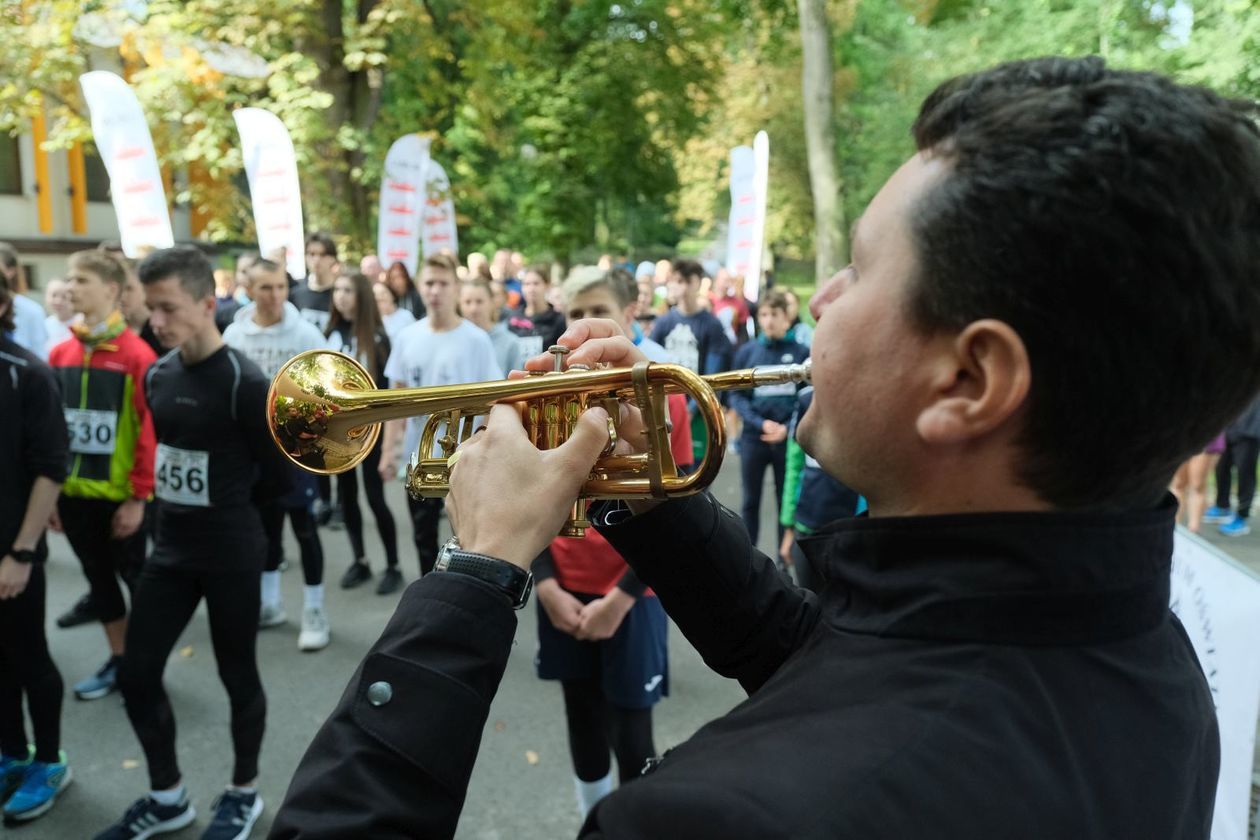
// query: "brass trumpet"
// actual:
[[325, 415]]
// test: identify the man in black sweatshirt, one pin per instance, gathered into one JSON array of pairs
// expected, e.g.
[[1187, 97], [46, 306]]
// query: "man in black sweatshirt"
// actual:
[[1010, 371]]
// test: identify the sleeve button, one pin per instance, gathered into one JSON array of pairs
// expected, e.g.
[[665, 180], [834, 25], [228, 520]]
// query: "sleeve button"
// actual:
[[380, 693]]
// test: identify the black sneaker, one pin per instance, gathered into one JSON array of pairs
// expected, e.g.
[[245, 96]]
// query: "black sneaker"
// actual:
[[234, 815], [357, 574], [390, 580], [146, 817], [83, 612]]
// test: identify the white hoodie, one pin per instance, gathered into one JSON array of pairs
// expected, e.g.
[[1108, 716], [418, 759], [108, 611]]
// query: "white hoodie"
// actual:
[[270, 347]]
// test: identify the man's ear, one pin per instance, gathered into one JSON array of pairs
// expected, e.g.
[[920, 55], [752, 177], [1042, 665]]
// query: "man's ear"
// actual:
[[983, 381]]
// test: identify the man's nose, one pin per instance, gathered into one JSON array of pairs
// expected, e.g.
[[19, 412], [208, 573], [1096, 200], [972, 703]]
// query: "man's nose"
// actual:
[[828, 292]]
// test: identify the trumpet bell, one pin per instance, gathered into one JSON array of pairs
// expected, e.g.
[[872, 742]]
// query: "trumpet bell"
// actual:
[[307, 412]]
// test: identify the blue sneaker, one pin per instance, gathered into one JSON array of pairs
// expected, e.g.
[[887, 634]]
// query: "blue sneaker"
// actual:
[[1236, 527], [146, 817], [40, 787], [103, 682], [235, 813], [12, 772], [1217, 515]]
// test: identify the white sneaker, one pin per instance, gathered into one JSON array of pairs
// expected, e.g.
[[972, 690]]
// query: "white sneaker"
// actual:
[[271, 615], [315, 634]]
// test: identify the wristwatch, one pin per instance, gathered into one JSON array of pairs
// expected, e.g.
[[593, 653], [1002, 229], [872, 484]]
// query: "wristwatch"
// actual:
[[23, 555], [513, 581]]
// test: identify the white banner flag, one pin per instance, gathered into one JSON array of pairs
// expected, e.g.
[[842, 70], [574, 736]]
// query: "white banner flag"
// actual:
[[1218, 601], [745, 238], [271, 168], [402, 207], [439, 213], [122, 138]]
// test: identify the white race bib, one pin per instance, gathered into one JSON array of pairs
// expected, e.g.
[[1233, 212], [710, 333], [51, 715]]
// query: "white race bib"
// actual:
[[91, 432], [183, 476]]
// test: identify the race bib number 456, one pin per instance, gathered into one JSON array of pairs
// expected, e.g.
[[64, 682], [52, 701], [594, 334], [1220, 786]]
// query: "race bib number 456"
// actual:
[[183, 476], [91, 432]]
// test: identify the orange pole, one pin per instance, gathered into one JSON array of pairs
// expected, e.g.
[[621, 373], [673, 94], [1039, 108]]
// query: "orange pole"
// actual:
[[43, 199], [78, 189]]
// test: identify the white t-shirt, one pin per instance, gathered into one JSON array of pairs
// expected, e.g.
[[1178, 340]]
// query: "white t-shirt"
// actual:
[[396, 323], [422, 358]]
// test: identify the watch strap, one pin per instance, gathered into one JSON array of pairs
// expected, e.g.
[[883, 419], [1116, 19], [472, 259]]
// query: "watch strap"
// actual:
[[512, 580], [24, 555]]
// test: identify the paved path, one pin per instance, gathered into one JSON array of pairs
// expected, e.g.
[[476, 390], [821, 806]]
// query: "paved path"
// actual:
[[521, 787]]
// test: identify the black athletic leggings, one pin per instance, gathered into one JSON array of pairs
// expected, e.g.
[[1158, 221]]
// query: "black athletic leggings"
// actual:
[[595, 725], [27, 669], [304, 530], [87, 524], [1240, 455], [374, 489], [165, 600]]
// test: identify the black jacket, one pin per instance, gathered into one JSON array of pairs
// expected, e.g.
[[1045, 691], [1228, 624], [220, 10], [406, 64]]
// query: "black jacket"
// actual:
[[984, 676]]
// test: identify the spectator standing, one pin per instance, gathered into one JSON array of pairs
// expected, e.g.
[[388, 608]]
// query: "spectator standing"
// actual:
[[537, 324], [1242, 450], [476, 303], [393, 317]]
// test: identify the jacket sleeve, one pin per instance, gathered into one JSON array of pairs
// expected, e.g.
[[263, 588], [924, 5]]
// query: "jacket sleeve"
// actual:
[[742, 614], [400, 768], [791, 480], [146, 442]]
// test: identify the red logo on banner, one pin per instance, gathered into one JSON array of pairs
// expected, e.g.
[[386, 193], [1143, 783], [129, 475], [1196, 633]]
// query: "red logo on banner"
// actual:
[[401, 186], [439, 237], [145, 221], [403, 209], [129, 152], [435, 220], [746, 199], [398, 253], [138, 187], [278, 172], [399, 232], [278, 226], [276, 199]]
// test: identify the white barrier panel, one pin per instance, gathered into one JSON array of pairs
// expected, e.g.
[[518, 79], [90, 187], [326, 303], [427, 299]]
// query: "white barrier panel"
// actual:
[[1218, 601], [271, 168], [122, 138]]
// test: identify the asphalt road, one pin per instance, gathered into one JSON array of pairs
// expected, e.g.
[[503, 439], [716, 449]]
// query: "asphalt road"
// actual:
[[522, 785]]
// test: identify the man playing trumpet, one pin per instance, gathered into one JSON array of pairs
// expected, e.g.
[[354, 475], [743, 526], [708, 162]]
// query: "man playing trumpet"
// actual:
[[1003, 372]]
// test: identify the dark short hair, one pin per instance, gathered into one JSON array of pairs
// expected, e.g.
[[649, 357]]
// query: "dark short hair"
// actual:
[[6, 318], [774, 300], [101, 263], [689, 269], [1112, 219], [184, 262], [326, 241]]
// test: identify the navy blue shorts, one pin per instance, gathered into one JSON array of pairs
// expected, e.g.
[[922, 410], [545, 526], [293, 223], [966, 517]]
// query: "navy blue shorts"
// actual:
[[632, 666], [303, 489]]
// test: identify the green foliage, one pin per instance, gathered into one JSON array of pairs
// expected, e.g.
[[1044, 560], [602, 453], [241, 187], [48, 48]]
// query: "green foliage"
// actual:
[[568, 125]]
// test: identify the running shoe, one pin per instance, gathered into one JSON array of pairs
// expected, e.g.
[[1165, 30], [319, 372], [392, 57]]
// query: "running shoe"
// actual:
[[235, 813], [103, 682], [315, 634], [1236, 527], [83, 612], [322, 512], [12, 771], [357, 573], [390, 580], [146, 817], [271, 615], [336, 520], [1217, 515], [40, 787]]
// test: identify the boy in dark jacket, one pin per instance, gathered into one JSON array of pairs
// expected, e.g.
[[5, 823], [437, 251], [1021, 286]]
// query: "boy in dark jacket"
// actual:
[[768, 409]]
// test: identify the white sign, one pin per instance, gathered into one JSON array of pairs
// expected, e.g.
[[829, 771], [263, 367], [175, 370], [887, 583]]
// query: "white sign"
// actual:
[[439, 213], [745, 242], [402, 206], [1218, 602], [271, 168], [122, 138]]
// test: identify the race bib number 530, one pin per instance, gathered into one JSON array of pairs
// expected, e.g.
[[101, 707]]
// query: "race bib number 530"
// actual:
[[183, 476], [91, 432]]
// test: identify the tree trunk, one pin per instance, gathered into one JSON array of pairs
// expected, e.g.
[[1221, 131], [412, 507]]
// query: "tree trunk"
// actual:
[[830, 247]]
